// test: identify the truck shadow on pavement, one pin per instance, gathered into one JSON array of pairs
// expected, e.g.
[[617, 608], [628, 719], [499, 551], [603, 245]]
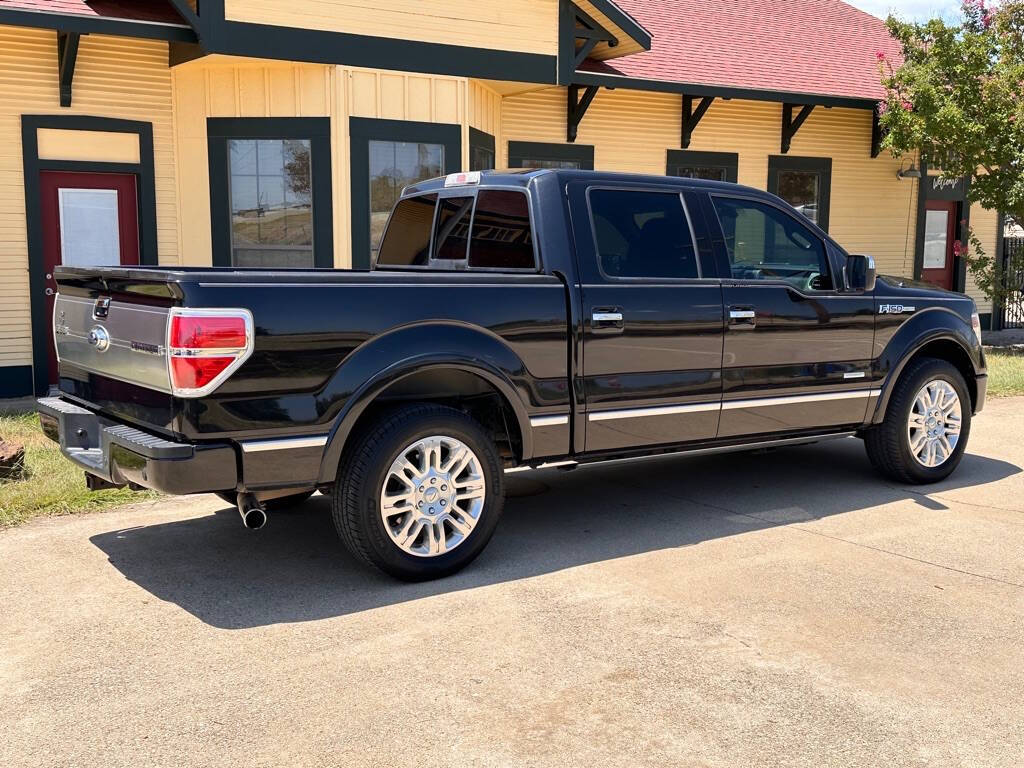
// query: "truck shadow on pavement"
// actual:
[[296, 569]]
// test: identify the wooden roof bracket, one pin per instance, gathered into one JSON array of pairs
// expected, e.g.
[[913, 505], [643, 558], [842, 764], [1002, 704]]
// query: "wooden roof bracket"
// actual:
[[791, 125], [691, 116], [577, 106], [67, 55], [591, 33]]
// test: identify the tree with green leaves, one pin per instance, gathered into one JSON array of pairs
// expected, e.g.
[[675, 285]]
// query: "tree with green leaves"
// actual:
[[957, 96]]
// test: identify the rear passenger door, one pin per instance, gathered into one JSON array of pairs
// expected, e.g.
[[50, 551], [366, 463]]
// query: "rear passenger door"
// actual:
[[798, 344], [653, 321]]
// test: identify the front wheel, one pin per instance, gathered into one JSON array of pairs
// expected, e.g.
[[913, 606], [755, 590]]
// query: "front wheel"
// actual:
[[419, 492], [924, 434]]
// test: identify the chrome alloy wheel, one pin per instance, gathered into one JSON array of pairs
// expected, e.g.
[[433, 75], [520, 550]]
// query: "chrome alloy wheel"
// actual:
[[933, 428], [432, 496]]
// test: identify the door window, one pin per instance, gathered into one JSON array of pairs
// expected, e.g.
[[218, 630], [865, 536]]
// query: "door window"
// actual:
[[642, 234], [89, 227], [936, 233], [408, 237], [765, 243], [393, 166]]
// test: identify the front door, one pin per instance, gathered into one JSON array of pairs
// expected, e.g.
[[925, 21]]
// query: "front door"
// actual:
[[939, 238], [89, 220], [652, 338], [798, 347]]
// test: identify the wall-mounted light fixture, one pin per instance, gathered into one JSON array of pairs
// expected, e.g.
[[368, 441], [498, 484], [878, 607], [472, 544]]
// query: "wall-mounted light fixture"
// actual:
[[908, 173]]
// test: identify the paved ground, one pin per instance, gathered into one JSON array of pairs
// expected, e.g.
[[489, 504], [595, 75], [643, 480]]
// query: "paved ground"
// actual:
[[777, 609]]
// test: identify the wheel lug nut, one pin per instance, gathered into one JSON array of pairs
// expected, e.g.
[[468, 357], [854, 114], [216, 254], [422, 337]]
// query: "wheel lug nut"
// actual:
[[444, 487], [443, 502], [431, 510], [421, 487], [433, 480], [420, 504]]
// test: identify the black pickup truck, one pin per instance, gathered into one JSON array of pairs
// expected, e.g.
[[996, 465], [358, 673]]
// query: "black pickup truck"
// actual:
[[512, 319]]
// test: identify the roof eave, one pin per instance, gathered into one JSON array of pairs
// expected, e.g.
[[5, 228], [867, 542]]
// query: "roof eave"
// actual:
[[722, 91], [100, 25], [625, 22]]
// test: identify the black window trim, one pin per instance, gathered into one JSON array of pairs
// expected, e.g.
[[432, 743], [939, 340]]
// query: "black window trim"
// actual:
[[520, 151], [729, 161], [821, 165], [363, 130], [836, 269], [316, 130], [482, 140], [464, 191], [664, 190]]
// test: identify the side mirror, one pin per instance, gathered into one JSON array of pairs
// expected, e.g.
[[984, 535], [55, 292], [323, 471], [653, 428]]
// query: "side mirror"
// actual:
[[860, 273]]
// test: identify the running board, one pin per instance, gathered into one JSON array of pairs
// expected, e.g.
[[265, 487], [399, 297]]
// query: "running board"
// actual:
[[788, 441]]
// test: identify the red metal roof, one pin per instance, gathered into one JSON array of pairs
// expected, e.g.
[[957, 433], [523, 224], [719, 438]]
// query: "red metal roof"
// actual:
[[132, 10], [823, 47]]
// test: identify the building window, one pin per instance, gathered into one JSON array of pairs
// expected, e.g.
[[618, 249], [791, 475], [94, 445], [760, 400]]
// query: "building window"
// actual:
[[481, 150], [714, 166], [271, 203], [270, 192], [531, 154], [387, 156], [803, 182], [393, 166]]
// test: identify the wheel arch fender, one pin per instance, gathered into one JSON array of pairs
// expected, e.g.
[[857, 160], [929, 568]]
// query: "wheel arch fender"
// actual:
[[935, 332], [386, 360]]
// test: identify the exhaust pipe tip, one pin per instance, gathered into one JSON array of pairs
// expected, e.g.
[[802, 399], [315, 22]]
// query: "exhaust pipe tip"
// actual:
[[254, 516], [254, 519]]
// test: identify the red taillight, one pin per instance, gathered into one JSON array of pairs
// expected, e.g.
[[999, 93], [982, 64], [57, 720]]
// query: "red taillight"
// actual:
[[207, 332], [205, 346], [197, 372]]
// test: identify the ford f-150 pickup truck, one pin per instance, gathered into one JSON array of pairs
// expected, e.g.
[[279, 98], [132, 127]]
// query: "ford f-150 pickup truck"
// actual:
[[511, 319]]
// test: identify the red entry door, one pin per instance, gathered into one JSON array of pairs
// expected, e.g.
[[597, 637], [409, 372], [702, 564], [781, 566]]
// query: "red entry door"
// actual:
[[89, 220], [939, 235]]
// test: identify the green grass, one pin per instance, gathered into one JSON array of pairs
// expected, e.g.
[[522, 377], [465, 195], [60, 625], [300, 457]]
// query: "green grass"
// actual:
[[1005, 373], [53, 486]]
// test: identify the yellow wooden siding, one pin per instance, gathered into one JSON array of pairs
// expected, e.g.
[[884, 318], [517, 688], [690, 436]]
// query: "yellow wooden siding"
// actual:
[[87, 146], [114, 77], [871, 210], [985, 224], [225, 87], [529, 26], [484, 108]]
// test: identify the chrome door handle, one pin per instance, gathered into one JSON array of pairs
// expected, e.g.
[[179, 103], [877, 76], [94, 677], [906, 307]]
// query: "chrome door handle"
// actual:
[[606, 320], [742, 318]]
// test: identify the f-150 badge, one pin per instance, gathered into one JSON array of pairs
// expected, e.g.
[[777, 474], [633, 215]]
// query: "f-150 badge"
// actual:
[[894, 309]]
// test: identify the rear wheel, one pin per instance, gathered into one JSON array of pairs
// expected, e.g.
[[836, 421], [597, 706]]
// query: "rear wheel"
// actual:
[[419, 492], [926, 426]]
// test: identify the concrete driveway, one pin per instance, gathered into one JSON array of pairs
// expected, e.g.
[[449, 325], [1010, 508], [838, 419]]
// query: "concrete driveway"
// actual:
[[788, 608]]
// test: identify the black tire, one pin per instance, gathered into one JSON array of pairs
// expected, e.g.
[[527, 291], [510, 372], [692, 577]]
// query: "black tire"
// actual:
[[888, 444], [363, 472], [280, 504]]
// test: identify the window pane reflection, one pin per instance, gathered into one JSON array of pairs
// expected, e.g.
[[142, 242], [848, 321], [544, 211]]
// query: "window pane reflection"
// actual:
[[394, 165]]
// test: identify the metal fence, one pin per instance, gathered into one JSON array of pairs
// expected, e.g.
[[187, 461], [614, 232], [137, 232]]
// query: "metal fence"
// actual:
[[1013, 279]]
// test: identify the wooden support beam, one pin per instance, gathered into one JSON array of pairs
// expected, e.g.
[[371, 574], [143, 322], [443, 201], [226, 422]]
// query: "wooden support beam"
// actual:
[[185, 11], [691, 116], [876, 132], [577, 107], [67, 55], [591, 33], [790, 125]]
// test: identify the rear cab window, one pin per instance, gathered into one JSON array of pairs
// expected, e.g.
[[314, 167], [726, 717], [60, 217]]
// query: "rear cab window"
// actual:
[[485, 228]]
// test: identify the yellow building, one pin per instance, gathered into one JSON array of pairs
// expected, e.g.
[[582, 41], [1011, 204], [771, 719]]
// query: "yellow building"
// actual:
[[278, 134]]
